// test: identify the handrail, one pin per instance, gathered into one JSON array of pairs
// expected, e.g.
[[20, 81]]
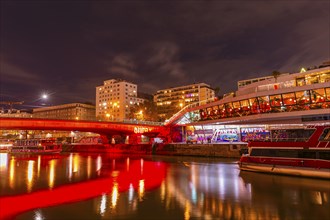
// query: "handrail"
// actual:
[[303, 139], [192, 105]]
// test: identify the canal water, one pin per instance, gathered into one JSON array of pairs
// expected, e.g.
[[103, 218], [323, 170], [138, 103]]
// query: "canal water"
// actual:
[[105, 186]]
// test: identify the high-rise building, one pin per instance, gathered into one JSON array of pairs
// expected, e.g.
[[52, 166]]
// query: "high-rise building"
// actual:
[[114, 99], [171, 100], [72, 111]]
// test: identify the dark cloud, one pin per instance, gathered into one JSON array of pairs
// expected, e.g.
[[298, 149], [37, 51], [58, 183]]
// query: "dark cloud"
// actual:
[[164, 60], [70, 47], [123, 66]]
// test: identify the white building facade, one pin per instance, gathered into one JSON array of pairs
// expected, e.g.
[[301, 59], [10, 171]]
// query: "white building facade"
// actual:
[[114, 99], [71, 111]]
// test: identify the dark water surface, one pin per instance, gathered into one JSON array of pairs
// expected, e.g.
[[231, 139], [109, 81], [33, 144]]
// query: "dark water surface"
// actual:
[[104, 186]]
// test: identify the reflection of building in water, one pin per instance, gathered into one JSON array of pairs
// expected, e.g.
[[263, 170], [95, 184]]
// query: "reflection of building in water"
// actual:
[[207, 192], [191, 190], [289, 191], [216, 192]]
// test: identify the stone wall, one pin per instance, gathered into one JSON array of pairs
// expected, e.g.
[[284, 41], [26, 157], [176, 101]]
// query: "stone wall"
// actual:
[[201, 150]]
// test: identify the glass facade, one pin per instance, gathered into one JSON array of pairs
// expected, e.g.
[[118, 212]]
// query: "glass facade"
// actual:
[[285, 102]]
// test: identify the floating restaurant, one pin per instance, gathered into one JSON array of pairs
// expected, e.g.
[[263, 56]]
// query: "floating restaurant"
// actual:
[[259, 106]]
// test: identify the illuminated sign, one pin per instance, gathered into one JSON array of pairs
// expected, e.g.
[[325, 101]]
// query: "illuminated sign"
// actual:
[[140, 130], [227, 131], [253, 130]]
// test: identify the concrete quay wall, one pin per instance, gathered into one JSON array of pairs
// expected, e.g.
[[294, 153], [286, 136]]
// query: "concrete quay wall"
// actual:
[[230, 150], [202, 150]]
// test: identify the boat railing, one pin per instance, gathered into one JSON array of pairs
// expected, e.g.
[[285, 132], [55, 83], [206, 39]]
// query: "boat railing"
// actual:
[[290, 139], [281, 140]]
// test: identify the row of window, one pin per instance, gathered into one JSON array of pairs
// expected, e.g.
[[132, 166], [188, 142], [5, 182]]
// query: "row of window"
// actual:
[[288, 153], [117, 85], [301, 81], [117, 98], [179, 93], [117, 95], [184, 89], [114, 91], [294, 101]]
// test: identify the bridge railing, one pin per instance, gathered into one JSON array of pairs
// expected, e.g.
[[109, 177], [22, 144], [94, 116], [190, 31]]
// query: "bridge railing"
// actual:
[[130, 121], [186, 108], [125, 121]]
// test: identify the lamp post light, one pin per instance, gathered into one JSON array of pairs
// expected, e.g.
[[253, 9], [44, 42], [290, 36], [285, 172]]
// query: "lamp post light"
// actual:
[[141, 115], [108, 116], [44, 96]]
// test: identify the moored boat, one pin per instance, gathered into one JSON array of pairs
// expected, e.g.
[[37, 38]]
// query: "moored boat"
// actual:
[[36, 146], [298, 152]]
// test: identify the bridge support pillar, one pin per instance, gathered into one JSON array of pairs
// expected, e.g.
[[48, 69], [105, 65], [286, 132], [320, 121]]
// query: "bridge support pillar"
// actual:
[[105, 139], [134, 139]]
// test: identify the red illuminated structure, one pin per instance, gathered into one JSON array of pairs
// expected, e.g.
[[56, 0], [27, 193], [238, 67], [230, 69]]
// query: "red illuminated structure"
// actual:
[[296, 97], [150, 173], [297, 152], [102, 128]]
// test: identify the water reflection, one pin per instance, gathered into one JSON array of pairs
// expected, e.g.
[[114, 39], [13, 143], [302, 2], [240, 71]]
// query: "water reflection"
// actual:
[[282, 196], [3, 161], [30, 175], [51, 178], [110, 187]]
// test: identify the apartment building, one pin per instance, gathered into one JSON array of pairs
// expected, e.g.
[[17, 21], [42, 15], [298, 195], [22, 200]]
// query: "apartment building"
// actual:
[[71, 111], [114, 99], [171, 100]]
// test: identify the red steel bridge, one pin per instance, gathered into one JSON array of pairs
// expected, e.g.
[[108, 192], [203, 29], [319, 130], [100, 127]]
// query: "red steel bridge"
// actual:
[[102, 128]]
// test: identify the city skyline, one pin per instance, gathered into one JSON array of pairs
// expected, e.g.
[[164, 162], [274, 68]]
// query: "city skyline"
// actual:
[[68, 48]]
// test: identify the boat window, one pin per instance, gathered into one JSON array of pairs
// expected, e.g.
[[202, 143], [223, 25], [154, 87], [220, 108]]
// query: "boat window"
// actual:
[[327, 91], [312, 79], [264, 104], [275, 100], [318, 95], [291, 134], [302, 99], [324, 155], [307, 154], [287, 153], [301, 81], [325, 77], [289, 99], [325, 135], [236, 105], [263, 152]]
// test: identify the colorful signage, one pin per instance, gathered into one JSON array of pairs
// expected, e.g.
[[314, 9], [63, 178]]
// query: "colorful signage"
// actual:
[[141, 130]]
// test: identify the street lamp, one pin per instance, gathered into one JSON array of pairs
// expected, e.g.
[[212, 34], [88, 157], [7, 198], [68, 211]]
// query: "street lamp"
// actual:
[[140, 113], [108, 116], [44, 96]]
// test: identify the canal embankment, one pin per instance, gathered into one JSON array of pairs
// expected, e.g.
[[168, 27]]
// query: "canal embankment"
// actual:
[[225, 150]]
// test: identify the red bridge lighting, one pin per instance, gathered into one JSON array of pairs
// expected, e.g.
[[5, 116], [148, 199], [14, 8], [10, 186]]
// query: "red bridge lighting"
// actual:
[[152, 174], [84, 126]]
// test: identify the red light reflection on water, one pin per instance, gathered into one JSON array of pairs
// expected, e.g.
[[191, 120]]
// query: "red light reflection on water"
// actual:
[[151, 173]]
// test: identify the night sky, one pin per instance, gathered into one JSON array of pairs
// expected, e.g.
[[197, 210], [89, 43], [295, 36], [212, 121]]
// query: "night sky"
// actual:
[[67, 48]]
